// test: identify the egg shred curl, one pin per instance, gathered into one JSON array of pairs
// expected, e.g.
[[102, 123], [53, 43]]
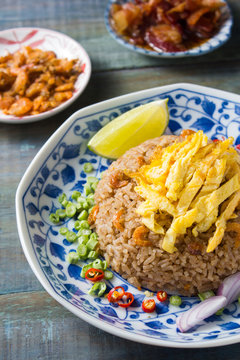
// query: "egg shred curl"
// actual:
[[194, 183]]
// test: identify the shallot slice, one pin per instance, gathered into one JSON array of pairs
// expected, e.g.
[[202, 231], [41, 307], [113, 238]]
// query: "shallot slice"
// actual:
[[200, 312], [230, 288]]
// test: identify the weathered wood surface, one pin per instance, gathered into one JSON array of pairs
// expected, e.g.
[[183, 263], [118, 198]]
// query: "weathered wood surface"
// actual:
[[32, 324], [36, 327]]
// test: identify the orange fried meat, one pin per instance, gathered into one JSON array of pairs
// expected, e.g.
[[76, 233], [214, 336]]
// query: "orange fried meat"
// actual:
[[33, 81]]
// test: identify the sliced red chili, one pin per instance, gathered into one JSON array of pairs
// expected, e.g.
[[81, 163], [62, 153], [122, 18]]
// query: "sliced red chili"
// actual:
[[216, 140], [114, 295], [238, 146], [129, 298], [148, 305], [162, 296], [94, 274]]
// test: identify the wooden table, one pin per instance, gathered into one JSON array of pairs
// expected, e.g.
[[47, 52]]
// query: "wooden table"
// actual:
[[32, 324]]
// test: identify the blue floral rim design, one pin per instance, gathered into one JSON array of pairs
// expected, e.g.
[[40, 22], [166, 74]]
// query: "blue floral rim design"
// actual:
[[58, 168]]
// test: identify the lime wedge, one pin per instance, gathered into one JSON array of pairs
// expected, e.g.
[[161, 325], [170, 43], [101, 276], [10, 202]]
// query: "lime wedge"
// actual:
[[131, 129]]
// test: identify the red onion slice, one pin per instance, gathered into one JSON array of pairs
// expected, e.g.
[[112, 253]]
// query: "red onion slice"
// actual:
[[200, 312], [230, 288]]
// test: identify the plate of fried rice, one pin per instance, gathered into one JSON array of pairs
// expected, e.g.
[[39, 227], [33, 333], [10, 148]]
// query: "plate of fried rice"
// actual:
[[147, 247]]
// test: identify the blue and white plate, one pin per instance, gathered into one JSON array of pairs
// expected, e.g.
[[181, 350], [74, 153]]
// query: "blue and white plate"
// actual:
[[58, 167], [215, 42]]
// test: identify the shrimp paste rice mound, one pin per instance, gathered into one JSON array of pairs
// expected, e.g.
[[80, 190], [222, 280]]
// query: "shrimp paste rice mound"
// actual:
[[167, 213]]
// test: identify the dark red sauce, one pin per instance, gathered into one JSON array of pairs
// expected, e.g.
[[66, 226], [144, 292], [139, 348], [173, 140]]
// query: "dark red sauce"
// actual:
[[167, 25]]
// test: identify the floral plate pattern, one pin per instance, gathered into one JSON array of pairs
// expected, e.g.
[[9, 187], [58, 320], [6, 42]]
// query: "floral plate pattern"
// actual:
[[58, 167], [12, 40], [215, 42]]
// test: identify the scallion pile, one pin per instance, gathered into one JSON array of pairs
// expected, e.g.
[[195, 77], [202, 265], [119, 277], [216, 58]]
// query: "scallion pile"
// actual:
[[79, 207]]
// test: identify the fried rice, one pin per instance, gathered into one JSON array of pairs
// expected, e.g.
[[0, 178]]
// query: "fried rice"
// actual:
[[187, 271]]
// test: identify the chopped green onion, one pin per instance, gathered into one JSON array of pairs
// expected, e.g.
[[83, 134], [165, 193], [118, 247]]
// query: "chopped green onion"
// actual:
[[83, 239], [92, 180], [175, 300], [108, 275], [90, 196], [84, 232], [90, 209], [219, 312], [87, 167], [94, 186], [83, 205], [72, 257], [92, 254], [84, 224], [65, 203], [206, 295], [62, 198], [239, 300], [61, 213], [63, 230], [87, 189], [94, 236], [97, 264], [78, 207], [54, 218], [82, 251], [76, 195], [71, 236], [91, 184], [85, 268], [83, 215], [104, 265], [98, 289], [77, 225], [81, 199], [90, 202], [71, 209], [92, 244]]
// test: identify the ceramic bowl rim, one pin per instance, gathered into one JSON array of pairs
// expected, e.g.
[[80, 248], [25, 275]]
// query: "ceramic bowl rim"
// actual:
[[33, 167]]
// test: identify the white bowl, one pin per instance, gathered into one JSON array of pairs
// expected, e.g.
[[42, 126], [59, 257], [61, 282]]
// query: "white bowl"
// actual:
[[213, 43], [58, 168], [12, 40]]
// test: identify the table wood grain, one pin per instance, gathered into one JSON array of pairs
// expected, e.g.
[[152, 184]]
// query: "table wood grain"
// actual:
[[32, 324]]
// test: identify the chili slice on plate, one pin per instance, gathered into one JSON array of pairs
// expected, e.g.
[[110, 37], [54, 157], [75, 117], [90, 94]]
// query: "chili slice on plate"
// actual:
[[114, 295], [162, 296], [94, 274], [148, 305], [129, 298]]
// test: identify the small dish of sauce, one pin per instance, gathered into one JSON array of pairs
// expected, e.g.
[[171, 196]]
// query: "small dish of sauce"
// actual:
[[168, 26]]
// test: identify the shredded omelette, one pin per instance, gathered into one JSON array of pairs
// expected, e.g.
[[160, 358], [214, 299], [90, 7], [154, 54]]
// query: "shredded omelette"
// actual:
[[190, 184]]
